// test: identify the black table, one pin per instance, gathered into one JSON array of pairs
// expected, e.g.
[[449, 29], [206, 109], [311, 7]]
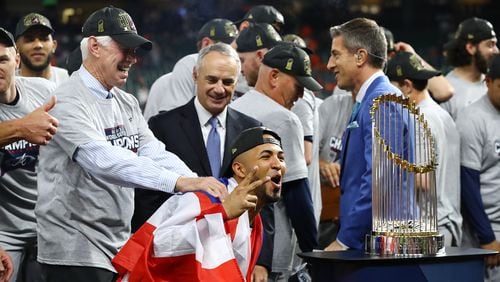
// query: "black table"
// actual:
[[456, 265]]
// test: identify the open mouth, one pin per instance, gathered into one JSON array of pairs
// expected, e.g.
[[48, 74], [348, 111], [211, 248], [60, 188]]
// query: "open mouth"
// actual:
[[276, 179]]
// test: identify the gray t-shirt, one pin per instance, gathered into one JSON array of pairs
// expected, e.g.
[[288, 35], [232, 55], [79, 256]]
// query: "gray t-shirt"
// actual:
[[479, 128], [465, 93], [83, 220], [447, 148], [306, 109], [334, 113], [58, 75], [282, 121], [157, 95], [179, 88], [18, 167]]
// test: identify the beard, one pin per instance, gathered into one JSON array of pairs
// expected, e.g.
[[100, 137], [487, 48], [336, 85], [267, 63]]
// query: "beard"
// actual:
[[36, 68], [481, 62]]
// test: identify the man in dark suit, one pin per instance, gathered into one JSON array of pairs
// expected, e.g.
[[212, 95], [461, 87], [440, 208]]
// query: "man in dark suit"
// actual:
[[185, 130]]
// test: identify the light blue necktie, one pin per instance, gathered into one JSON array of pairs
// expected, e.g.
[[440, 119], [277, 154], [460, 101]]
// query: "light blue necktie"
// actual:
[[355, 109], [213, 147]]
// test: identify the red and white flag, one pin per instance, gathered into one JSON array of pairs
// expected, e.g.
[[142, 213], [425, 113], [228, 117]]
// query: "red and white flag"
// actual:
[[189, 239]]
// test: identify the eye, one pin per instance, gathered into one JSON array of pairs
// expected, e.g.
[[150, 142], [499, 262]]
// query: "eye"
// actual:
[[228, 82]]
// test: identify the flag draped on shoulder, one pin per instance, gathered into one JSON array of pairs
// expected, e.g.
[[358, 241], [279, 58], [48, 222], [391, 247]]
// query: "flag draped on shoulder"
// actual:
[[189, 239]]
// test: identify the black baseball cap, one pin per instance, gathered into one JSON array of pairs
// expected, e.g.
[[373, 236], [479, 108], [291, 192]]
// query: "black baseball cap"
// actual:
[[406, 65], [248, 139], [32, 20], [389, 38], [472, 30], [257, 36], [264, 14], [297, 40], [6, 38], [219, 30], [494, 67], [291, 59], [74, 60], [118, 24]]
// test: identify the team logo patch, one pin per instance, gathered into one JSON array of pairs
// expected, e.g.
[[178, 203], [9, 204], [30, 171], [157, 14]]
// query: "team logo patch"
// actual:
[[117, 136], [18, 155], [126, 22]]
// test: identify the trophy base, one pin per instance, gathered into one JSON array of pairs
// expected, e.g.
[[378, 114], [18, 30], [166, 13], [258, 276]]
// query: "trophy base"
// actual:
[[404, 244]]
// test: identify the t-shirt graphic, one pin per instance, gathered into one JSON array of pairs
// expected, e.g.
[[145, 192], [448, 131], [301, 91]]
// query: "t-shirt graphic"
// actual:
[[117, 136], [18, 155]]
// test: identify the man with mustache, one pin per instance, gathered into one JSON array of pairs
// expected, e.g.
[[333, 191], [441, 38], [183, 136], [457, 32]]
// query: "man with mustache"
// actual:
[[36, 45], [469, 52], [195, 237]]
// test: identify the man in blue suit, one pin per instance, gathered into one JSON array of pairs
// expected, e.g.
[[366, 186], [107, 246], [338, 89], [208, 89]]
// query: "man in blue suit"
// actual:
[[358, 55]]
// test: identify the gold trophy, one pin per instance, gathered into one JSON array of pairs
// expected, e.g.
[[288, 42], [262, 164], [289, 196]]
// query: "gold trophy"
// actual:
[[404, 199]]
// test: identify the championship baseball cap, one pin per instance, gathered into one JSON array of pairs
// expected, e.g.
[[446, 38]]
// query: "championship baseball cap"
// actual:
[[291, 59], [297, 40], [406, 65], [6, 38], [32, 20], [472, 30], [118, 24], [248, 139], [264, 14], [219, 30], [494, 67], [257, 36]]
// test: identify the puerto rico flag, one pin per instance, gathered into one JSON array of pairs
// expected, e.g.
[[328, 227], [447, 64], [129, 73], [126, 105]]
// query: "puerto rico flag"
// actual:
[[189, 239]]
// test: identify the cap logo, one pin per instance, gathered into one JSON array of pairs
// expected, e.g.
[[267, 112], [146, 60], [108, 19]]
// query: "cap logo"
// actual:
[[233, 150], [230, 29], [258, 41], [415, 62], [212, 31], [31, 20], [126, 22], [100, 26], [289, 64], [399, 71], [307, 66]]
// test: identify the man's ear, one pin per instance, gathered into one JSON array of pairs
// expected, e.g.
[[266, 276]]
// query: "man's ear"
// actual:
[[195, 74], [471, 48], [93, 46], [238, 169], [54, 47]]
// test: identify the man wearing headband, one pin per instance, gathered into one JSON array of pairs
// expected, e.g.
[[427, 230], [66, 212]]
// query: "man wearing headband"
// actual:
[[195, 237]]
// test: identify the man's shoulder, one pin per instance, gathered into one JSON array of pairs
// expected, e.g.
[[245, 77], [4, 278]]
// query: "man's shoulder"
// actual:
[[173, 114], [243, 118]]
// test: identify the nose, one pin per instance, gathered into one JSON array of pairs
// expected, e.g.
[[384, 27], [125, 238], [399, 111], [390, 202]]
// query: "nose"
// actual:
[[219, 87], [276, 163], [37, 43], [331, 63]]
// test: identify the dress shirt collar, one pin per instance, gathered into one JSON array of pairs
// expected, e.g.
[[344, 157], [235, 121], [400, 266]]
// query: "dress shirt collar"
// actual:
[[204, 115], [362, 91], [93, 84]]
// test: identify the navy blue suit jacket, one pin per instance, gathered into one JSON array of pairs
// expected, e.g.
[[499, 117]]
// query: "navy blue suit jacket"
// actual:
[[356, 170]]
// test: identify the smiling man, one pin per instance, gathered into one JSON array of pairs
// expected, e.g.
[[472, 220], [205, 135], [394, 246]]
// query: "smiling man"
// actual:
[[186, 130], [36, 46], [195, 237], [103, 148], [358, 55]]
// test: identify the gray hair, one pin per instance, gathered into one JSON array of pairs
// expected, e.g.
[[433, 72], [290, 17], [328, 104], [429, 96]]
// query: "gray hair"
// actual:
[[363, 33], [222, 48], [103, 40]]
